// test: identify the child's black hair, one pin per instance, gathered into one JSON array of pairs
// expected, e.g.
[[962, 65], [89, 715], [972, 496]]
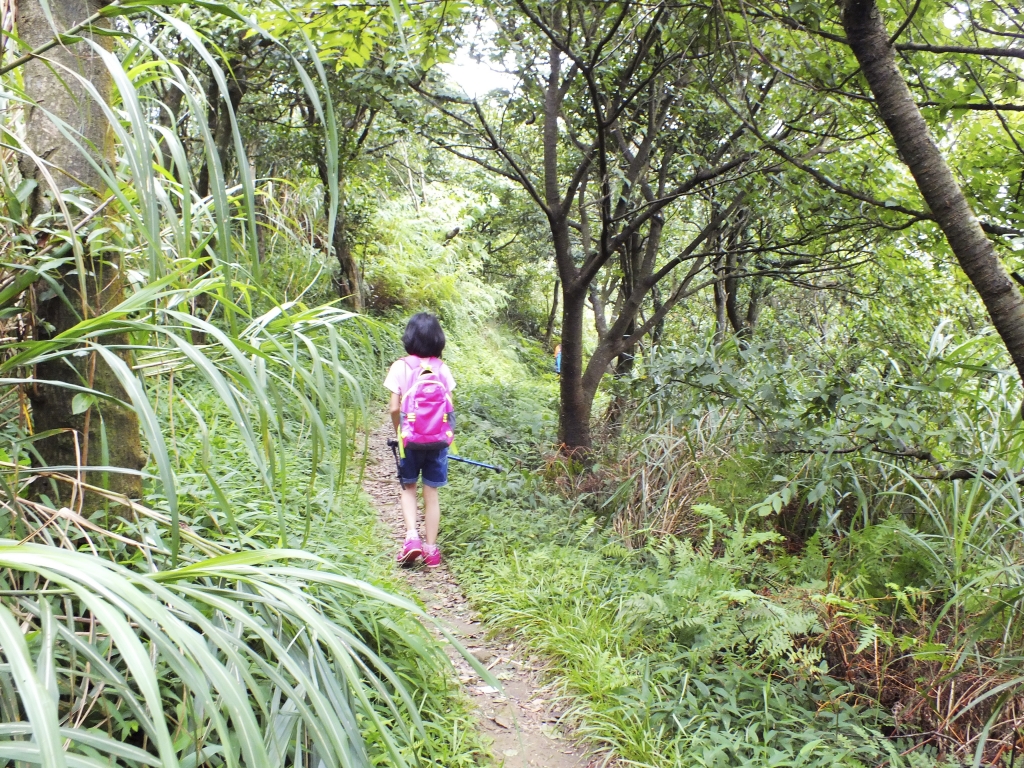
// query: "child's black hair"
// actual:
[[423, 336]]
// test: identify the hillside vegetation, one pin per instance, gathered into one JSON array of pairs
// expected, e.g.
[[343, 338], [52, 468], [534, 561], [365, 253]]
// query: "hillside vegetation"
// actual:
[[768, 511]]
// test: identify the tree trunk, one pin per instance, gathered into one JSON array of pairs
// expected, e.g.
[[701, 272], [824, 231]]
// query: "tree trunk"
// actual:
[[83, 438], [869, 41], [350, 284], [597, 305], [731, 287], [552, 314], [574, 416], [219, 122], [171, 103], [757, 293], [720, 303], [623, 367], [659, 328], [349, 280]]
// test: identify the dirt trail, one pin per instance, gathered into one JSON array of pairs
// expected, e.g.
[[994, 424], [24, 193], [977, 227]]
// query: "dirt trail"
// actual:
[[522, 720]]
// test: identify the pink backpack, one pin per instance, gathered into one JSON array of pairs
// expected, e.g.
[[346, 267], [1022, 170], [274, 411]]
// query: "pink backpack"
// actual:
[[426, 408]]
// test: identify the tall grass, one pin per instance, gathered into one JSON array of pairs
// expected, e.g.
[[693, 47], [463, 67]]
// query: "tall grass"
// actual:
[[152, 632]]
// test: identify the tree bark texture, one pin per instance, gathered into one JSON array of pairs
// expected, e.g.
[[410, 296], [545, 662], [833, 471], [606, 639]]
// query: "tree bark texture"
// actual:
[[574, 416], [83, 438], [869, 40]]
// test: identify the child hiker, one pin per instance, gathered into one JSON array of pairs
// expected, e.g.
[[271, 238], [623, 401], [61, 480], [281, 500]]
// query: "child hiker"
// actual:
[[421, 409]]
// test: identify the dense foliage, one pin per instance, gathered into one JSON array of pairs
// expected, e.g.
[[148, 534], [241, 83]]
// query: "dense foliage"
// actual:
[[770, 512]]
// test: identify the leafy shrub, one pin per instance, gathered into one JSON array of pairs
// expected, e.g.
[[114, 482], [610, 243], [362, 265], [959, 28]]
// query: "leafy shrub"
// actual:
[[876, 559], [731, 716]]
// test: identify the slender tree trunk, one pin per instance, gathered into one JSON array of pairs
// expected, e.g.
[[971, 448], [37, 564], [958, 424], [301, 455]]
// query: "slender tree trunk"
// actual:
[[171, 103], [350, 285], [219, 121], [720, 303], [627, 356], [597, 304], [623, 367], [212, 122], [659, 328], [81, 439], [731, 286], [552, 314], [574, 414], [869, 41], [757, 294]]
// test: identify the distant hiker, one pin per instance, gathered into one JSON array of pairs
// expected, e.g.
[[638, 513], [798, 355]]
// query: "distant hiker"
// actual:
[[558, 359], [421, 408]]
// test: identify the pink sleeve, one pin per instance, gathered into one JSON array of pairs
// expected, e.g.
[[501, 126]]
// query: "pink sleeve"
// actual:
[[395, 380], [448, 378]]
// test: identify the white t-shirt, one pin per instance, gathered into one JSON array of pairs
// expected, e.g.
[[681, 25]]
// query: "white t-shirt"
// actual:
[[402, 374]]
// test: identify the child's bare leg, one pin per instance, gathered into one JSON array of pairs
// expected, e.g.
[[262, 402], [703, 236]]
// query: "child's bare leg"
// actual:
[[431, 513], [409, 511]]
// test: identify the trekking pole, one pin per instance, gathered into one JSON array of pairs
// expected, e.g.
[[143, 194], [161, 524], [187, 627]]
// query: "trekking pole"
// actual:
[[476, 463], [393, 445]]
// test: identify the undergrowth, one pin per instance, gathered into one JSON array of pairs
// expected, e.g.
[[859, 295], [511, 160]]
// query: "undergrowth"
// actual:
[[714, 649]]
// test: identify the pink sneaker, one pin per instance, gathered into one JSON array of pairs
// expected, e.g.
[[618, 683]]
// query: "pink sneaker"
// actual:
[[431, 556], [410, 552]]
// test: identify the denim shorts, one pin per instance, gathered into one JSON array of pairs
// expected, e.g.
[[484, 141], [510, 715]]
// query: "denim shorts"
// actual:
[[432, 464]]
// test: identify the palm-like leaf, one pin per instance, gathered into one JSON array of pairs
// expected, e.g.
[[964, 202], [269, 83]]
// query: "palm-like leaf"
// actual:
[[231, 656]]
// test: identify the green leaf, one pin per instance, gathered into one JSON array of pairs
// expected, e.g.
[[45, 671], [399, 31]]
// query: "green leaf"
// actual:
[[82, 402]]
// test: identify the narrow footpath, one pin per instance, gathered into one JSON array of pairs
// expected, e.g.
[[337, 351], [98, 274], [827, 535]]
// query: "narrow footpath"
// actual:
[[522, 718]]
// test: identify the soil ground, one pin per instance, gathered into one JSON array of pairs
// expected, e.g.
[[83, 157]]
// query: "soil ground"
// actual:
[[522, 718]]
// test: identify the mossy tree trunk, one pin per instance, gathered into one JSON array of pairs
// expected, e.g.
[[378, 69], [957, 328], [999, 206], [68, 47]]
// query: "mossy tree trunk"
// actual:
[[105, 433]]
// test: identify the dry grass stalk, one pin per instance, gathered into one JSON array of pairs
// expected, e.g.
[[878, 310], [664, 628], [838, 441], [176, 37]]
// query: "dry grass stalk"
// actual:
[[666, 475]]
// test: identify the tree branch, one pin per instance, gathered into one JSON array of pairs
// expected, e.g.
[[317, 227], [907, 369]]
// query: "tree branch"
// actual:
[[986, 106], [1017, 53]]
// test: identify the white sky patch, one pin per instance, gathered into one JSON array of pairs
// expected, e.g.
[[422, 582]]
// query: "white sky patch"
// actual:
[[472, 70]]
